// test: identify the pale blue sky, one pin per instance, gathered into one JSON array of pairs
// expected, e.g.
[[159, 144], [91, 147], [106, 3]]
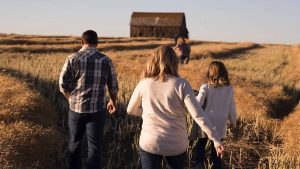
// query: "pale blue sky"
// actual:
[[268, 21]]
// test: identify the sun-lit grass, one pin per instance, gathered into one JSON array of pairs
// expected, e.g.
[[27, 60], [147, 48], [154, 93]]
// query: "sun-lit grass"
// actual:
[[29, 136], [218, 50], [287, 154], [264, 79]]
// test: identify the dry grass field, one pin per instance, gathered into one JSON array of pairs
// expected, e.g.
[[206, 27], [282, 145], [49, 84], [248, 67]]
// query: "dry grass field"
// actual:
[[29, 136], [265, 78]]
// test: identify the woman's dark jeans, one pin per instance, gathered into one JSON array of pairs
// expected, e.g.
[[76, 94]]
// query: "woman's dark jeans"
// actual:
[[92, 124], [154, 161]]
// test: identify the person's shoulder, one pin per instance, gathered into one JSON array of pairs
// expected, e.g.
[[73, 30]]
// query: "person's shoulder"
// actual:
[[148, 80], [144, 82], [227, 88], [185, 45], [105, 56], [178, 79], [182, 81], [204, 85], [101, 55], [76, 55], [230, 87], [72, 56]]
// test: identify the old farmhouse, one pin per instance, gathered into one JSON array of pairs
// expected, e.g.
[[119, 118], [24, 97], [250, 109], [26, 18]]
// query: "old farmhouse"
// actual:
[[150, 24]]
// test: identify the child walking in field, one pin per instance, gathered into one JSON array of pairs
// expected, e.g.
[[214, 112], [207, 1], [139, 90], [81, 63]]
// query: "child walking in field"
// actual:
[[217, 99], [183, 49]]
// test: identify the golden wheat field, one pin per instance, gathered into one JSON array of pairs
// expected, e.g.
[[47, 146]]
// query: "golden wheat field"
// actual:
[[33, 130]]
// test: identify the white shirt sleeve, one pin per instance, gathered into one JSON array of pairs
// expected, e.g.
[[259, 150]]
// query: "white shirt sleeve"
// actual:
[[198, 114], [232, 111], [134, 107], [202, 94]]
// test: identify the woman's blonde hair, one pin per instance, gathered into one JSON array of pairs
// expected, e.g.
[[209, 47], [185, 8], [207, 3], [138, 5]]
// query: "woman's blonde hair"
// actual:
[[162, 62], [217, 74]]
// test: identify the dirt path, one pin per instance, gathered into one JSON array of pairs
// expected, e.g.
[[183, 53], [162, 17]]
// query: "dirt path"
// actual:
[[28, 138]]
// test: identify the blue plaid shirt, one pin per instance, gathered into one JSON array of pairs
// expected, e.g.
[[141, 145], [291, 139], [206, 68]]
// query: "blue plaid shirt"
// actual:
[[85, 76]]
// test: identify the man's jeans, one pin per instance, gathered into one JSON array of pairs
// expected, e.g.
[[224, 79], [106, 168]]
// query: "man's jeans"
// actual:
[[92, 124], [154, 161]]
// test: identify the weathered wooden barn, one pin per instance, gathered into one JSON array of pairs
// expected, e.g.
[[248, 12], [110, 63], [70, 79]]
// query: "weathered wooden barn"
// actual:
[[151, 24]]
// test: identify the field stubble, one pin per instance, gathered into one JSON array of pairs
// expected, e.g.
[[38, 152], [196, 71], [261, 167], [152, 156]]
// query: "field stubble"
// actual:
[[29, 135], [262, 77]]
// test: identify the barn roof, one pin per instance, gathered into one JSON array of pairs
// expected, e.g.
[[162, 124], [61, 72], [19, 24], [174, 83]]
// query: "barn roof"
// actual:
[[157, 19]]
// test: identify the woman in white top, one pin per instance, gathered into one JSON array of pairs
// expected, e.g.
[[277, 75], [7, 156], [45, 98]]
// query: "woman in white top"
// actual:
[[160, 98], [217, 99]]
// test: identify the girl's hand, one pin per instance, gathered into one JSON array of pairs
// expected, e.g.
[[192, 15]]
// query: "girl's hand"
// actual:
[[220, 151]]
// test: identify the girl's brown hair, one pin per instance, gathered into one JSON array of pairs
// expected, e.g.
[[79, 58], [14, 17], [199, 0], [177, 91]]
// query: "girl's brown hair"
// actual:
[[163, 61], [180, 39], [217, 74]]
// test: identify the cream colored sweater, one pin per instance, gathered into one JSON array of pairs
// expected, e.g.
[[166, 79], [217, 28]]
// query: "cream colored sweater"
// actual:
[[220, 107], [164, 128]]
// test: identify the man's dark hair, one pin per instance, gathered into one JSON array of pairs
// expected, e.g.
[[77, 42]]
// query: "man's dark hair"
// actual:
[[90, 37]]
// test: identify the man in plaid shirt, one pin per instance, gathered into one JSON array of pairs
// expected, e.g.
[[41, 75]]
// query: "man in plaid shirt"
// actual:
[[83, 80]]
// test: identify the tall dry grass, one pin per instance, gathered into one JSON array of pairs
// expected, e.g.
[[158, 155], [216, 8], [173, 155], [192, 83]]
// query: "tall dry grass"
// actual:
[[263, 93], [287, 155], [28, 137]]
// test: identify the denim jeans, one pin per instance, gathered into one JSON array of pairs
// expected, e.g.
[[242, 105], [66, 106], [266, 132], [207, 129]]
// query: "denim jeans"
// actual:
[[92, 124], [154, 161], [200, 153], [184, 58]]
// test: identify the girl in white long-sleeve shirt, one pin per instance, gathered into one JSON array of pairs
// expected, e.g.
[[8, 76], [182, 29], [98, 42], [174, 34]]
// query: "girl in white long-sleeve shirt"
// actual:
[[163, 96], [217, 99]]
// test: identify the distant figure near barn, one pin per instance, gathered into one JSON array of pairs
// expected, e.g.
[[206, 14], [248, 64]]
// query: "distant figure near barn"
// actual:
[[164, 25], [183, 50]]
